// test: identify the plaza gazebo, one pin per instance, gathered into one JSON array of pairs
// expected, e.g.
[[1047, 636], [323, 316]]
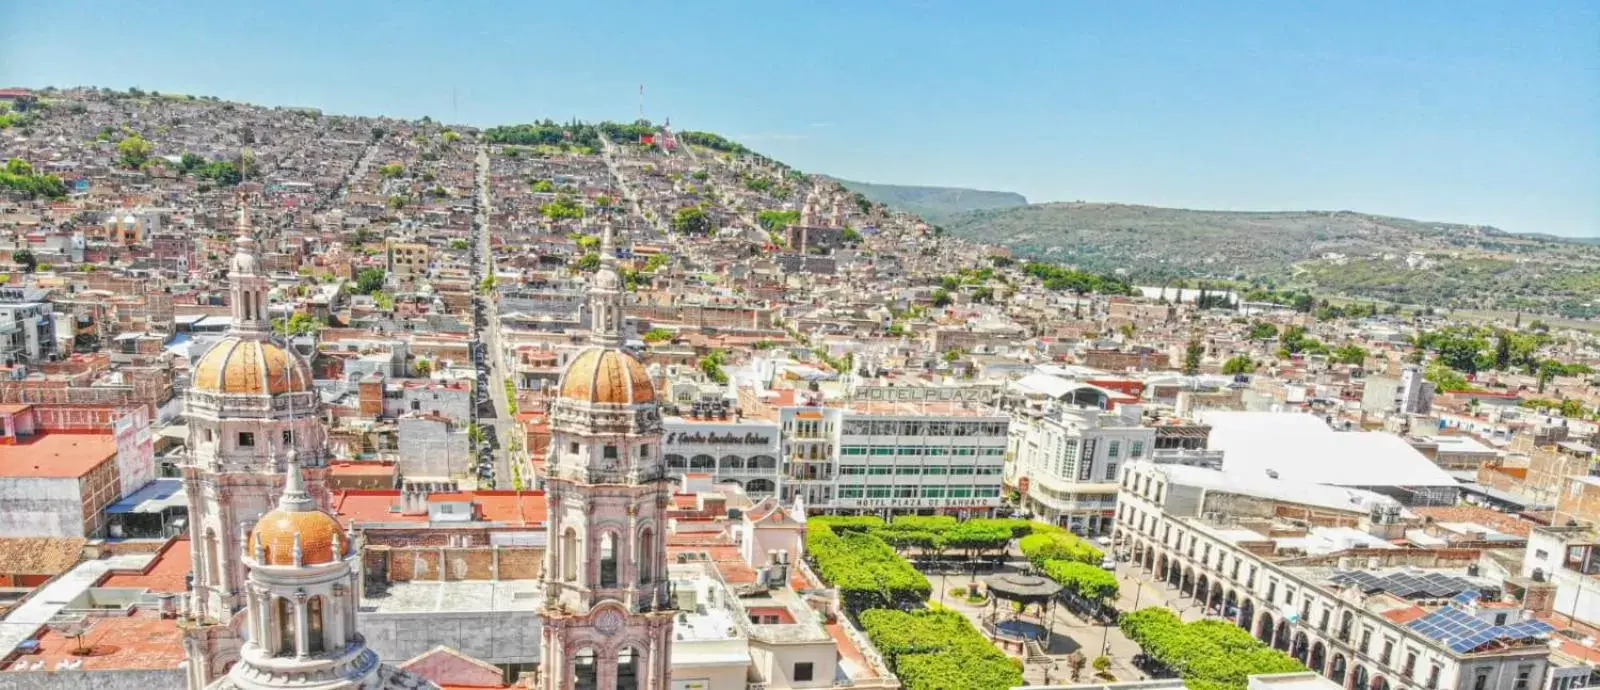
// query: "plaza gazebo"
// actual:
[[1018, 627]]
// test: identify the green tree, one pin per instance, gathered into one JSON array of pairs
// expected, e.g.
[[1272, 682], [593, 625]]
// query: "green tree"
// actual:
[[691, 220], [658, 335], [1192, 354], [370, 280], [424, 367], [851, 235], [588, 262], [1238, 364], [298, 323], [1350, 354], [1445, 378], [941, 298], [544, 187], [134, 150], [587, 243], [25, 259], [391, 170], [1262, 330], [983, 295]]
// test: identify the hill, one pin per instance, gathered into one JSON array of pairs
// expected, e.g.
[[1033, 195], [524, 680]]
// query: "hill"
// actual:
[[1329, 252], [934, 204]]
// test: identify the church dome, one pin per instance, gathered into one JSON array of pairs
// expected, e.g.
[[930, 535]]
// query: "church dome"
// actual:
[[250, 367], [321, 539], [607, 375]]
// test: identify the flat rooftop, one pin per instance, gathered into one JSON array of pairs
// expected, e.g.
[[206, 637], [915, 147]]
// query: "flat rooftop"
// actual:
[[457, 596], [887, 408], [126, 643], [56, 456]]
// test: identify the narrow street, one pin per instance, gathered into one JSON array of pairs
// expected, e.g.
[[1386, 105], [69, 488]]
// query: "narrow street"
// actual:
[[494, 412]]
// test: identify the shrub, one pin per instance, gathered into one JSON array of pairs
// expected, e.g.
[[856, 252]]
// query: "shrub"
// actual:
[[938, 650]]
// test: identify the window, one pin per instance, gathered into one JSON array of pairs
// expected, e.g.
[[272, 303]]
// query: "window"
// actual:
[[852, 469], [908, 470], [1086, 470], [1433, 677], [1541, 554], [879, 470], [962, 469], [1111, 471], [1272, 591], [877, 492], [802, 671], [1366, 639], [936, 469], [610, 452], [1480, 680], [572, 448], [1523, 672], [933, 492], [988, 492], [849, 492], [909, 450], [960, 492], [1388, 652], [1114, 450], [247, 439], [1137, 450], [644, 452], [288, 437], [1410, 666]]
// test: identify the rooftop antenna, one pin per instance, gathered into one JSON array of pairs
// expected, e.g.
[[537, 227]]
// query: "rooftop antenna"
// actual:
[[641, 102]]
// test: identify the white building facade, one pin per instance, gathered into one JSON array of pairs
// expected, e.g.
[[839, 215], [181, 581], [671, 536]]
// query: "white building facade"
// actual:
[[1064, 463], [946, 462]]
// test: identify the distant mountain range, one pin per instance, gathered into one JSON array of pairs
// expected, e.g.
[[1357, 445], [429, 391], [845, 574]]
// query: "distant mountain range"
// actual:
[[934, 204], [1334, 253]]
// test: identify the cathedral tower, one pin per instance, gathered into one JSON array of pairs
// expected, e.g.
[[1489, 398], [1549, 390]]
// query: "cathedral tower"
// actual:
[[607, 621], [250, 407]]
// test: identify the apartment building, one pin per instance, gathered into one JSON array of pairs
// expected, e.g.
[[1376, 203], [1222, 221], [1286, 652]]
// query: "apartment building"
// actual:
[[943, 458], [1063, 460]]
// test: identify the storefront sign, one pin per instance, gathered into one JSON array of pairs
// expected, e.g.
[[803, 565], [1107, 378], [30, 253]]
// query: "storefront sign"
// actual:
[[699, 438]]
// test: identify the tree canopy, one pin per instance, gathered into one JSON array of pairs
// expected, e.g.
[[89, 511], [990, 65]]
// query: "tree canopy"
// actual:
[[938, 650], [1081, 282], [1209, 653]]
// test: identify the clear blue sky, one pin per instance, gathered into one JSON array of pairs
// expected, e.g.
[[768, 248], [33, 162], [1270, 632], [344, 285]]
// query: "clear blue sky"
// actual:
[[1485, 112]]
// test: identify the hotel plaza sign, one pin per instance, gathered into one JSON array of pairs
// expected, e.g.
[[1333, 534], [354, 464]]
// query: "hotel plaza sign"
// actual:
[[974, 503]]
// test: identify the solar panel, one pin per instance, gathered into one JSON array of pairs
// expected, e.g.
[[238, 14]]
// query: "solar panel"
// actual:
[[1466, 597]]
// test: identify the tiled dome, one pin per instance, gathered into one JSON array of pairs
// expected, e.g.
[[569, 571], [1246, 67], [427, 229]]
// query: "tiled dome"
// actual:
[[250, 367], [606, 375], [321, 539]]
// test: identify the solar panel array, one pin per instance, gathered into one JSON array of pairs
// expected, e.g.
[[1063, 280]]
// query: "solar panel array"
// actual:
[[1406, 585], [1464, 633]]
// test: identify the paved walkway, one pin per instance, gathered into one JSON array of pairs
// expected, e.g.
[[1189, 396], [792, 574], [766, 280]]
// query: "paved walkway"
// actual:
[[1071, 632]]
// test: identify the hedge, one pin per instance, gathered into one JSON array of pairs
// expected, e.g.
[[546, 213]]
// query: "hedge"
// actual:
[[1210, 654], [939, 650], [866, 571]]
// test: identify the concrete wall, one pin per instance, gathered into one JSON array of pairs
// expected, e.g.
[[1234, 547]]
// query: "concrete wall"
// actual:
[[498, 637], [99, 680], [40, 507], [430, 448]]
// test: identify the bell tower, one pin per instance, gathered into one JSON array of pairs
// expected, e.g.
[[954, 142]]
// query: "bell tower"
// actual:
[[607, 618]]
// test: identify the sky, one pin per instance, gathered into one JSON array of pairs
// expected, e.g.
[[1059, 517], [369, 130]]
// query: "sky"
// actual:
[[1458, 110]]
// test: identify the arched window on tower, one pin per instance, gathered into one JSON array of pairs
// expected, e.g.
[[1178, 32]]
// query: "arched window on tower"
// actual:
[[569, 555], [608, 560], [314, 634], [628, 669], [585, 670], [644, 558], [285, 622]]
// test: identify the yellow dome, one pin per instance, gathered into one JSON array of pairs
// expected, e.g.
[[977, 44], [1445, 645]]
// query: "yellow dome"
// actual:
[[321, 540], [603, 375], [251, 367]]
